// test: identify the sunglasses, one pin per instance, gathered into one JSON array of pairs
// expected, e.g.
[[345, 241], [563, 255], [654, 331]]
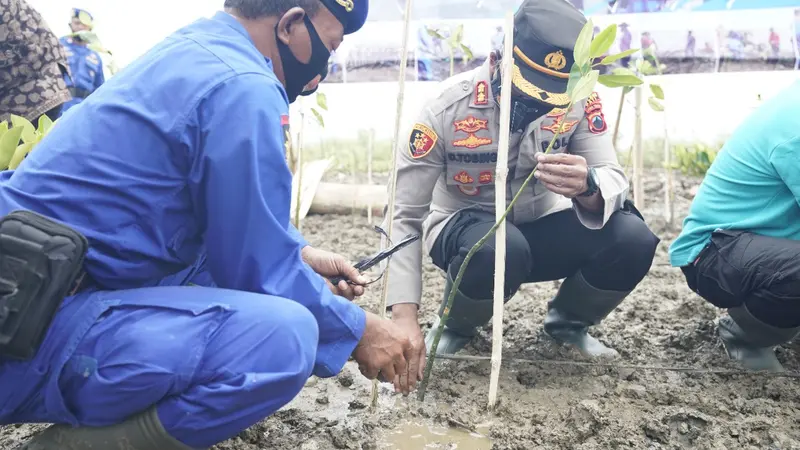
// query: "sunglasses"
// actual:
[[369, 262]]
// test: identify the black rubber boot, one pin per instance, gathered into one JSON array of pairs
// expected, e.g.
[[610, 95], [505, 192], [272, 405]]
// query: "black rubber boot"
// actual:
[[577, 306], [750, 341], [140, 432], [466, 315]]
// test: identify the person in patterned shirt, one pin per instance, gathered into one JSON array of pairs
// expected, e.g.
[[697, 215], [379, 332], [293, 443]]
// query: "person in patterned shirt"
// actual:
[[32, 64]]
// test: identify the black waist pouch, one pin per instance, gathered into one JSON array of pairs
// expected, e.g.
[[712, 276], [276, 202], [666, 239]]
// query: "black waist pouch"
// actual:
[[39, 262]]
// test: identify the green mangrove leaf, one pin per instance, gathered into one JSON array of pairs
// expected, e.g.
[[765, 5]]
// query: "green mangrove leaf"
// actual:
[[583, 44], [20, 154], [657, 91], [602, 42], [612, 58], [585, 86], [8, 145], [655, 104], [28, 130]]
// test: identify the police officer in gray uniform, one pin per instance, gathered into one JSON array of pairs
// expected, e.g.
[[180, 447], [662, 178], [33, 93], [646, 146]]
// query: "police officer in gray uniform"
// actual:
[[574, 222]]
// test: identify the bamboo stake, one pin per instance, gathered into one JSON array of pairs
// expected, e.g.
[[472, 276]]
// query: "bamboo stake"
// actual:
[[638, 165], [370, 144], [619, 118], [500, 208], [669, 206], [401, 86], [299, 168], [354, 180]]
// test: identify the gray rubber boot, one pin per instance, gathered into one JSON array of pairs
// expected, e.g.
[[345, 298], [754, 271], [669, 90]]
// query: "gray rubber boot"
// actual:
[[140, 432], [750, 341], [577, 306], [466, 315]]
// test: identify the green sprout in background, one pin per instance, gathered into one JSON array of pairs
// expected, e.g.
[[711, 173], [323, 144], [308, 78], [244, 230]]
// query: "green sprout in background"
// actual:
[[582, 80], [693, 160], [454, 43]]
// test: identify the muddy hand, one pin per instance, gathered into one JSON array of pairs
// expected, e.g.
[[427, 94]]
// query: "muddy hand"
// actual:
[[405, 316], [384, 349]]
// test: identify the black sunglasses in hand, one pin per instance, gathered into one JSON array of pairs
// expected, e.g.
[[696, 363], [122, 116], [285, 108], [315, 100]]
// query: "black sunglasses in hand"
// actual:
[[369, 262]]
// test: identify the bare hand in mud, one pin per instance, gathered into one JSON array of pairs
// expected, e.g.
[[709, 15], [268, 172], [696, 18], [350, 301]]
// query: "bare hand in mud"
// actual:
[[384, 349], [405, 316], [329, 265]]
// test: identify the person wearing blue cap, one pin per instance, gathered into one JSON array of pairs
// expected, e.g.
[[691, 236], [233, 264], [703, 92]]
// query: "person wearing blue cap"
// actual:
[[85, 64], [181, 157]]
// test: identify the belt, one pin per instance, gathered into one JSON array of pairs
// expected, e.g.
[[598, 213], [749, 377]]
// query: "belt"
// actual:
[[79, 93]]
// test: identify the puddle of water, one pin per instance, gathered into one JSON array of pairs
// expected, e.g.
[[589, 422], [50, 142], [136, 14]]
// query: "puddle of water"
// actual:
[[414, 436]]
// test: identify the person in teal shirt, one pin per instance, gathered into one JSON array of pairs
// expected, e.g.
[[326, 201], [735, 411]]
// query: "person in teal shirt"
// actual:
[[740, 242]]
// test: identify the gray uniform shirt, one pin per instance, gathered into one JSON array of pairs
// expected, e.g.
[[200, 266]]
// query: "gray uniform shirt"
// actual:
[[448, 165]]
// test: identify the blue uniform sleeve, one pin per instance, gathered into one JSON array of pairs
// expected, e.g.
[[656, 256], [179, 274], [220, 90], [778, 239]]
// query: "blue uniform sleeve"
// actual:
[[785, 158], [297, 236], [242, 189]]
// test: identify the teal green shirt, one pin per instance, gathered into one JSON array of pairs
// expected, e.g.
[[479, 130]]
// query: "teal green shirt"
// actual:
[[753, 184]]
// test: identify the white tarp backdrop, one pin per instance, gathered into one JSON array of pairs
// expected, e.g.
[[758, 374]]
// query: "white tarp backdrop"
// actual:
[[738, 50]]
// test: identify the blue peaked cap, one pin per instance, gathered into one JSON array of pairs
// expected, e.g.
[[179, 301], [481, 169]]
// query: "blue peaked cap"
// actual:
[[351, 13]]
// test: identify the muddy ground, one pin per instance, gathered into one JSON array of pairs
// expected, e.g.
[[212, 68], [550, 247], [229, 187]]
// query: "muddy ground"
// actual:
[[549, 406]]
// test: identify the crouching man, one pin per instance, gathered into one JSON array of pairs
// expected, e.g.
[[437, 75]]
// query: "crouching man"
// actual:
[[574, 222], [741, 240], [161, 167]]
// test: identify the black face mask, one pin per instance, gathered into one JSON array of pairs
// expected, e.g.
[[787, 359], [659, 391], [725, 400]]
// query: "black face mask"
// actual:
[[298, 74], [321, 79], [523, 110]]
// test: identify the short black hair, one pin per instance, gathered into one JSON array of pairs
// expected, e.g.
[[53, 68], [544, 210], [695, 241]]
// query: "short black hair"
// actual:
[[257, 9]]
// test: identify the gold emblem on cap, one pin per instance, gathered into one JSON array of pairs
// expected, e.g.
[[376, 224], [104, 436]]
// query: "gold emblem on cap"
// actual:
[[555, 60], [346, 4]]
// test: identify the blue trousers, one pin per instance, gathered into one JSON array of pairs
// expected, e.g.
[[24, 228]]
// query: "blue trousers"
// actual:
[[213, 361]]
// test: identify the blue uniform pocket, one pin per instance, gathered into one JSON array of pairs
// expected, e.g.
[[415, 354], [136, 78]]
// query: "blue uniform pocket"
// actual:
[[28, 392]]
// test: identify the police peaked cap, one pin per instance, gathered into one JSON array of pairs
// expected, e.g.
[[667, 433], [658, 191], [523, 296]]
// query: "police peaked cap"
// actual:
[[351, 13], [545, 32]]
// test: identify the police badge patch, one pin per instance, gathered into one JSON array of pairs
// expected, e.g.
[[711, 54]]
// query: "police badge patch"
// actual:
[[594, 114], [421, 141], [481, 94]]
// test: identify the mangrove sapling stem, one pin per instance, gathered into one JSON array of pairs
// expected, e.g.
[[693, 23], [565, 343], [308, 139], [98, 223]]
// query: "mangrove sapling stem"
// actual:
[[619, 117], [457, 282]]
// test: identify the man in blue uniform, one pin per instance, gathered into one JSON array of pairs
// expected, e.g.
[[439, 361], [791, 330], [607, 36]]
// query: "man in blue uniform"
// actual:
[[85, 64], [181, 155], [739, 244]]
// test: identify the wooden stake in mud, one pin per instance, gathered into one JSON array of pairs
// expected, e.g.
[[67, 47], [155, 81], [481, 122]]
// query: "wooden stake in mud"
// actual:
[[299, 168], [370, 145], [500, 207], [638, 163], [393, 179], [669, 206]]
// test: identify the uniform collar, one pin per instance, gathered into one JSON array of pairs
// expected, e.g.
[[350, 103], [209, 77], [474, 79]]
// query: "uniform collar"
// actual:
[[227, 19], [482, 88]]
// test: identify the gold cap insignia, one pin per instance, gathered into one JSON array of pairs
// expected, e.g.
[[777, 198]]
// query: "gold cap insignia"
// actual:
[[555, 60], [346, 4]]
